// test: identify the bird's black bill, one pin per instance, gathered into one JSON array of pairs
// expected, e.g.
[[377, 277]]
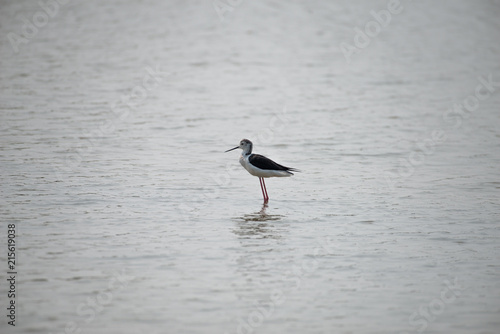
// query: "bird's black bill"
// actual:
[[232, 149]]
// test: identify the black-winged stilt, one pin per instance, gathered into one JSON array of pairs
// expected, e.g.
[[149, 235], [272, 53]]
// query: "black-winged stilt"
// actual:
[[260, 166]]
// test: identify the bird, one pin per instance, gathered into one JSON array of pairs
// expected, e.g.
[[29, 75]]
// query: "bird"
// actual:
[[260, 166]]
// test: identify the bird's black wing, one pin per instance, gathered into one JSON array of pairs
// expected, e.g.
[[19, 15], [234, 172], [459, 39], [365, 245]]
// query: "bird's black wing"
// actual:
[[262, 162]]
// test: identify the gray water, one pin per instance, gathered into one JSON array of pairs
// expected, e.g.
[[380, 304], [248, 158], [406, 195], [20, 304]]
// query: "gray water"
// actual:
[[130, 218]]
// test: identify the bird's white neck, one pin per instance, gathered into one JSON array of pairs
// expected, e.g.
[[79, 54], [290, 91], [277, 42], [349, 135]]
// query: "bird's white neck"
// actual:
[[247, 151]]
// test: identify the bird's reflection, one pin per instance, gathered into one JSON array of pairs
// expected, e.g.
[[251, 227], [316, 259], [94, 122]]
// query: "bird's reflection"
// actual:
[[257, 224], [259, 235]]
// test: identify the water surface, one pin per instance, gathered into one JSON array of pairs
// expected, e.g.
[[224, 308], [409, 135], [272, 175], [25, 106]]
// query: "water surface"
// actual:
[[130, 218]]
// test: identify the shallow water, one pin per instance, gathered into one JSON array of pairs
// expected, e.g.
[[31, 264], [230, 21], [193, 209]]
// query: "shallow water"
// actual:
[[130, 218]]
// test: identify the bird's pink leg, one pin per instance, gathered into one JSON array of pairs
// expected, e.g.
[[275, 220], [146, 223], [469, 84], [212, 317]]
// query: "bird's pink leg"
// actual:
[[262, 187], [266, 197]]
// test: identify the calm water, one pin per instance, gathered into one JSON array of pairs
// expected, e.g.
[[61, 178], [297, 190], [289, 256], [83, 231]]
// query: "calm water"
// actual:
[[130, 218]]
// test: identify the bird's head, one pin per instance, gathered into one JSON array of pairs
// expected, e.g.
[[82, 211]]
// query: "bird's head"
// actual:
[[245, 145]]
